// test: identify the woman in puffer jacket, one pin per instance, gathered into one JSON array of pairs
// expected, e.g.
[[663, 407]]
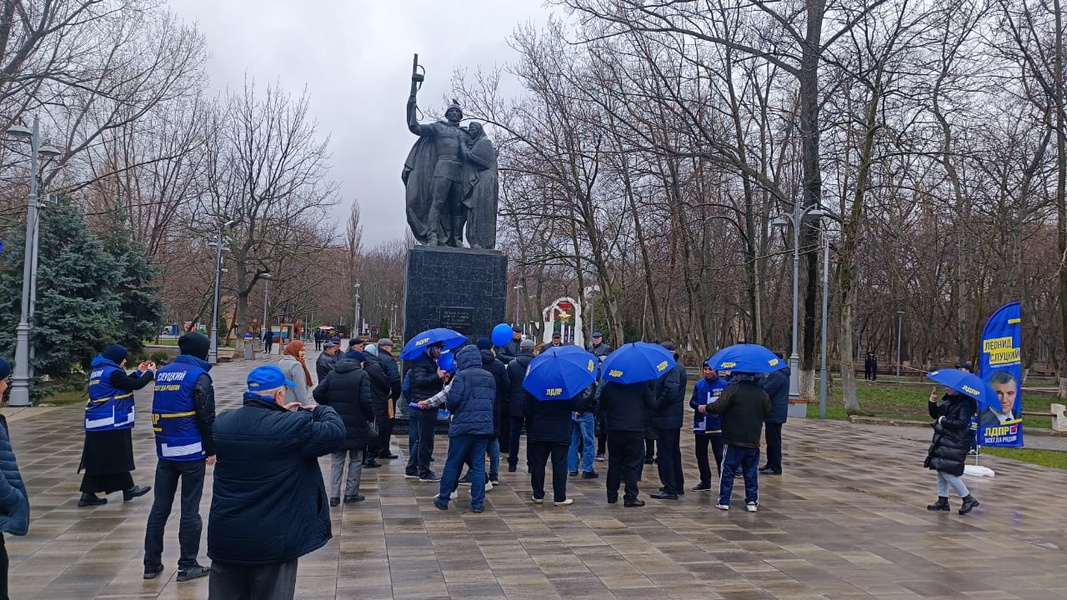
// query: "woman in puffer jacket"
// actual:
[[948, 451]]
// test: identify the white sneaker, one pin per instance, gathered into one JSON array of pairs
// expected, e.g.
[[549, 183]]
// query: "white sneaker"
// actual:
[[538, 500], [488, 485], [567, 502], [751, 507], [722, 506]]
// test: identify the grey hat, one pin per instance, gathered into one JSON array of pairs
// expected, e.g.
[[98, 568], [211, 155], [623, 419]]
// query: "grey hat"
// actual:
[[598, 334], [385, 342], [329, 345], [526, 345], [668, 345]]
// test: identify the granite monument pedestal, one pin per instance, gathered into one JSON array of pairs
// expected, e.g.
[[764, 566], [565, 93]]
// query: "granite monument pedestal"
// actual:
[[458, 288]]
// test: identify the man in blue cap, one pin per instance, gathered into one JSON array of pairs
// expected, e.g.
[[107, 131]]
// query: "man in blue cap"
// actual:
[[269, 505]]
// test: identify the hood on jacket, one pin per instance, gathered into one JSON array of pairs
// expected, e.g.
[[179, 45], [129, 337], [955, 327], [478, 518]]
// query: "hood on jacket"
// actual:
[[487, 357], [100, 361], [468, 357], [345, 365]]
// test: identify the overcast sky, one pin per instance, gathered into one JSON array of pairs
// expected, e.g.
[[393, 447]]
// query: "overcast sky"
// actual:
[[354, 57]]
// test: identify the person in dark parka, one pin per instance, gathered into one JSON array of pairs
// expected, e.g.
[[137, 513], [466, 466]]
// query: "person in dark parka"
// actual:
[[379, 387], [470, 401], [392, 371], [348, 390], [667, 420], [268, 506], [548, 434], [627, 411], [744, 406], [426, 379], [516, 374], [776, 385], [948, 450], [14, 503]]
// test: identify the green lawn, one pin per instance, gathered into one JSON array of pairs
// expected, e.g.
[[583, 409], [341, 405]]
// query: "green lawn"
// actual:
[[1045, 458]]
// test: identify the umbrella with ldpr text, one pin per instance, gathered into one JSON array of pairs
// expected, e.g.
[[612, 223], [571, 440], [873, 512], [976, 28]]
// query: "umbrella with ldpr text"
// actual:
[[963, 382], [746, 358], [560, 373], [418, 344], [637, 361]]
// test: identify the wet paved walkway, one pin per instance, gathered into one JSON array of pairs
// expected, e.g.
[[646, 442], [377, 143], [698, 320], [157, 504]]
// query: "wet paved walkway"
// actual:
[[846, 520]]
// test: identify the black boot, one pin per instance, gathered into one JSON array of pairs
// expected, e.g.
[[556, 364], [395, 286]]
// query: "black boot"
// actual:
[[91, 500], [941, 504], [969, 502]]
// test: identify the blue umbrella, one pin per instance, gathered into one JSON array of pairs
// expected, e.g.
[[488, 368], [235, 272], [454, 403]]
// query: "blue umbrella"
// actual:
[[418, 344], [560, 373], [963, 382], [746, 358], [637, 361]]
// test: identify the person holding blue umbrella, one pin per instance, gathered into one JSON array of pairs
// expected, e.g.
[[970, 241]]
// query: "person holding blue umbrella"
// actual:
[[952, 433], [627, 410], [743, 406], [426, 380]]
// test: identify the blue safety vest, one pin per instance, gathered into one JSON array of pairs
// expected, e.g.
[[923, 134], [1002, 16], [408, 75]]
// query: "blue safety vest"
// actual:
[[174, 413], [108, 408]]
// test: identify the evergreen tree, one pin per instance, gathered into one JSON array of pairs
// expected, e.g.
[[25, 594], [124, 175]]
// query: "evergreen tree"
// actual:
[[78, 292], [140, 309]]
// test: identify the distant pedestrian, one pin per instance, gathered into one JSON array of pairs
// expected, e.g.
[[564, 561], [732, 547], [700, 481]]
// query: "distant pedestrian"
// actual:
[[268, 340], [707, 427], [948, 451], [107, 455], [14, 503], [269, 504], [743, 406], [183, 411]]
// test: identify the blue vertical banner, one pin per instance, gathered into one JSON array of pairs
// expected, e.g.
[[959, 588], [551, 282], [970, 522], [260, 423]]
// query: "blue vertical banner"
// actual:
[[1000, 418]]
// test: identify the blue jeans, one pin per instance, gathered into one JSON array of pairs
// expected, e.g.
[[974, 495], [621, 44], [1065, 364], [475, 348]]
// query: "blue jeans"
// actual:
[[582, 434], [748, 460], [469, 448], [493, 448]]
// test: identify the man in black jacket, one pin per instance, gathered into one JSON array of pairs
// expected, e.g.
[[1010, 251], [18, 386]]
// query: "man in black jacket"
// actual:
[[324, 363], [743, 406], [268, 506], [510, 351], [667, 420], [516, 374], [627, 409], [348, 389], [379, 387], [183, 411], [426, 380], [777, 387]]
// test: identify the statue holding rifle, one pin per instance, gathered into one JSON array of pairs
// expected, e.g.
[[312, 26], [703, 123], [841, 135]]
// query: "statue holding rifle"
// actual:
[[450, 177]]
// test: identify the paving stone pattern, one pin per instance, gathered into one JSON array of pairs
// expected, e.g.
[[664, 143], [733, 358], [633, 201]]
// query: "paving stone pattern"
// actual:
[[846, 520]]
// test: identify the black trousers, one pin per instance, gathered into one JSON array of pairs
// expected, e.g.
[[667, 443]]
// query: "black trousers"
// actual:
[[539, 453], [650, 449], [425, 422], [505, 428], [385, 432], [3, 569], [626, 454], [513, 441], [702, 441], [773, 433], [168, 472], [670, 461], [264, 582], [601, 433]]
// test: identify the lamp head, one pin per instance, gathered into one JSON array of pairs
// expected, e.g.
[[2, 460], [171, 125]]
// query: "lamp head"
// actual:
[[48, 151], [20, 131], [266, 275], [780, 221]]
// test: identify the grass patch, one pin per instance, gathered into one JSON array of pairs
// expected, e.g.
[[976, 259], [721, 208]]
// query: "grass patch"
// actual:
[[64, 398], [1044, 458]]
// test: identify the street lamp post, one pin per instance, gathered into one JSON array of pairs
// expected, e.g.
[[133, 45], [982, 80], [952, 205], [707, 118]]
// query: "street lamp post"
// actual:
[[796, 219], [393, 328], [356, 325], [213, 349], [825, 310], [591, 290], [900, 319], [266, 276], [20, 380], [518, 303]]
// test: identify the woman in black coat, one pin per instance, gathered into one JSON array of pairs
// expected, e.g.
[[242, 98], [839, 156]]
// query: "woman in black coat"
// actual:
[[948, 451]]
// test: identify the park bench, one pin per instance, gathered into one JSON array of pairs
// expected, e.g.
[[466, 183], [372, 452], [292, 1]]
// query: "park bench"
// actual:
[[1058, 413]]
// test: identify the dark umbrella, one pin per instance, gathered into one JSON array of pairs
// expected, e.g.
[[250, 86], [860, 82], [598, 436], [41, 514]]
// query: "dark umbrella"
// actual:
[[637, 361], [560, 373], [418, 344], [746, 358]]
